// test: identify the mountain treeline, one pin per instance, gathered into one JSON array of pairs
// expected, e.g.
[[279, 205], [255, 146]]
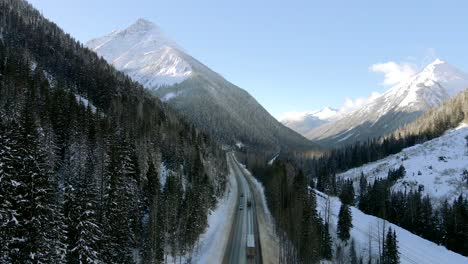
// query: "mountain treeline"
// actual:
[[81, 147]]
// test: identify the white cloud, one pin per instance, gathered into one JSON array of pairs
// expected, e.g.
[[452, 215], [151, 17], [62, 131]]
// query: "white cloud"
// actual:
[[350, 104], [293, 116], [394, 72]]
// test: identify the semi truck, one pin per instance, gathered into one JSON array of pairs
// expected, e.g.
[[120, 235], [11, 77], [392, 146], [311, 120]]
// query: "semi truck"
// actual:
[[250, 246]]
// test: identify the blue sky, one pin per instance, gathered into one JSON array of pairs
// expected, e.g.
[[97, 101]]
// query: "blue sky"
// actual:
[[291, 55]]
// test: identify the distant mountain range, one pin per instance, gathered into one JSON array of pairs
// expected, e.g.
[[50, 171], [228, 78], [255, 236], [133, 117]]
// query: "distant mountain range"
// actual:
[[382, 114], [303, 122], [215, 105]]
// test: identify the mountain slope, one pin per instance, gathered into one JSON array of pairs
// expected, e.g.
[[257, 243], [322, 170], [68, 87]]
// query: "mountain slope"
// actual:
[[367, 231], [203, 96], [401, 104], [80, 148], [436, 167], [306, 121]]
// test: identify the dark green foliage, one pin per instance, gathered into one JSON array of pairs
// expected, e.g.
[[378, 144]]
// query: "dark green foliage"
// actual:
[[79, 183], [394, 175], [390, 253], [303, 236], [415, 213], [347, 192], [326, 245], [345, 222]]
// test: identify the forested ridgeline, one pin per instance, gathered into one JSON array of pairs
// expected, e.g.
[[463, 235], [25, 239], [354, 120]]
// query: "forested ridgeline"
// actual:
[[79, 179]]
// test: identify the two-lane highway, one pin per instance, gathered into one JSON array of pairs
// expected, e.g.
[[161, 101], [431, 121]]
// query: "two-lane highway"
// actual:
[[245, 223]]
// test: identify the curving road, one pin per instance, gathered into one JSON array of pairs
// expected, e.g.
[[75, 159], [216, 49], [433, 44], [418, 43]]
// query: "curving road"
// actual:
[[245, 221]]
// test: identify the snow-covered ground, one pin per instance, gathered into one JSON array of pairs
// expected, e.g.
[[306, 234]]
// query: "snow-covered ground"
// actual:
[[436, 165], [413, 249]]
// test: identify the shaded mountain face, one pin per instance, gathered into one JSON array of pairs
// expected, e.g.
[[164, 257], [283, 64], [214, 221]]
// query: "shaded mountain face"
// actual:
[[215, 105], [306, 121], [398, 106]]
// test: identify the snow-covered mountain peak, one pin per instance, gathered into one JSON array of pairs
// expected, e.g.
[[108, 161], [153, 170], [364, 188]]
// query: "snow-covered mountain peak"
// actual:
[[435, 83], [383, 113], [145, 53], [142, 25]]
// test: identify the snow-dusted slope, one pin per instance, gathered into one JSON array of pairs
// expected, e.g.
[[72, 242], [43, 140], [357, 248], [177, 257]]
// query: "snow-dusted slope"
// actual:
[[205, 98], [303, 122], [366, 228], [436, 165], [401, 104], [145, 53]]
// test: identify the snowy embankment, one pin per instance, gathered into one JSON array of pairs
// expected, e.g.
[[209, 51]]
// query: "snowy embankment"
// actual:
[[367, 229], [435, 166], [268, 238], [212, 244]]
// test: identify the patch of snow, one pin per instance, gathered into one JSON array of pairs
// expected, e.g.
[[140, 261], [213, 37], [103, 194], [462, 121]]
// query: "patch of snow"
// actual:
[[33, 66], [85, 102], [412, 248], [15, 183], [436, 165], [50, 79], [345, 137], [273, 159], [239, 145], [169, 96], [164, 172]]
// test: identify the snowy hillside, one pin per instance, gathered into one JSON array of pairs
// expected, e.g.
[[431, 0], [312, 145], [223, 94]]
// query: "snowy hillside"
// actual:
[[303, 122], [366, 230], [436, 166], [145, 53], [213, 104], [401, 104]]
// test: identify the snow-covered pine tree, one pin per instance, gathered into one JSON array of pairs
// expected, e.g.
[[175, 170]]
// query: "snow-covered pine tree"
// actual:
[[36, 224]]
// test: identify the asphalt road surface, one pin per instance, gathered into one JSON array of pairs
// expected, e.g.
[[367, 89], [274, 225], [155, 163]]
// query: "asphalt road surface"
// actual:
[[245, 221]]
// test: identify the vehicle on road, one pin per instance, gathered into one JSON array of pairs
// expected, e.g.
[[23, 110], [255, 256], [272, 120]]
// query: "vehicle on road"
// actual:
[[241, 207], [250, 246], [249, 203]]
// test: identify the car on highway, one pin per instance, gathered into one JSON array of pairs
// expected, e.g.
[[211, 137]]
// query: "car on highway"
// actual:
[[241, 207]]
